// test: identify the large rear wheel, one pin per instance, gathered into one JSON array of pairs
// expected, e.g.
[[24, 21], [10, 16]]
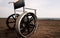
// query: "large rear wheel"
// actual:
[[26, 24]]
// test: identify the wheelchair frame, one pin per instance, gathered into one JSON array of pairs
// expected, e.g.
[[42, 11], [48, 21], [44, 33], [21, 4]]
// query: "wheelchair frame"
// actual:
[[18, 21]]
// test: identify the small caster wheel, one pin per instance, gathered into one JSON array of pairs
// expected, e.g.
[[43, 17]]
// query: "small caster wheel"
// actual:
[[11, 21]]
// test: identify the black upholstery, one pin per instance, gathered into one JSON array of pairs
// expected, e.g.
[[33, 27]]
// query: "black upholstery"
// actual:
[[19, 4]]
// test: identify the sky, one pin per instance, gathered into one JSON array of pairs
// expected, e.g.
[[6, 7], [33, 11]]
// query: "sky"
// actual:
[[45, 8]]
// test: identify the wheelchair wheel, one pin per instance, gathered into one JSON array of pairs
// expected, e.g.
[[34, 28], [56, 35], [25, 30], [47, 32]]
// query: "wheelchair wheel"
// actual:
[[26, 24], [11, 21]]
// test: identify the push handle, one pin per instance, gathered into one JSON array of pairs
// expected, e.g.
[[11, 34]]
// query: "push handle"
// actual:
[[11, 2]]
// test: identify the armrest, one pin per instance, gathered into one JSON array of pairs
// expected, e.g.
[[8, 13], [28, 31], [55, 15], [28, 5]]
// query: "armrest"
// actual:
[[31, 9]]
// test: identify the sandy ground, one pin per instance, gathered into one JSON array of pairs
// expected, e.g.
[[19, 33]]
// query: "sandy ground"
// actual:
[[46, 29]]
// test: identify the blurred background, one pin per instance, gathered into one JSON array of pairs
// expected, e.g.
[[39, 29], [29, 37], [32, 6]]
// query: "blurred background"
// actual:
[[45, 8]]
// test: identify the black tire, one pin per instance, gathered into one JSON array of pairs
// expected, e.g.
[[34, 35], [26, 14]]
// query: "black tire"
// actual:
[[10, 20]]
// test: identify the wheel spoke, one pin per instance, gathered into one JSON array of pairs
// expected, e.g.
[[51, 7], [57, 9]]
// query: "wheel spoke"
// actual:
[[32, 25], [13, 18], [23, 22], [28, 30], [27, 18], [23, 29], [12, 22], [31, 19]]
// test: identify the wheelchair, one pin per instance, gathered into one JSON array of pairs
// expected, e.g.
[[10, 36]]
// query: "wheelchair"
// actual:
[[25, 24]]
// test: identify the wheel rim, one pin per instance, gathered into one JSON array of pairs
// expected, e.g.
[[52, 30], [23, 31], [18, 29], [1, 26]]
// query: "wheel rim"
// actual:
[[11, 21], [27, 24]]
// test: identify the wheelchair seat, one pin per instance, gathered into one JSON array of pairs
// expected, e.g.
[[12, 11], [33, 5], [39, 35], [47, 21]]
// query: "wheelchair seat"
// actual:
[[19, 4]]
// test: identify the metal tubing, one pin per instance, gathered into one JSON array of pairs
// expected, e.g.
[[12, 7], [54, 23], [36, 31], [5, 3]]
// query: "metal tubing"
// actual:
[[14, 9], [31, 9], [23, 10]]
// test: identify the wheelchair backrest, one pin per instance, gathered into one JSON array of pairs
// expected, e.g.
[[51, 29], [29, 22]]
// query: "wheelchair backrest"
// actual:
[[19, 4]]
